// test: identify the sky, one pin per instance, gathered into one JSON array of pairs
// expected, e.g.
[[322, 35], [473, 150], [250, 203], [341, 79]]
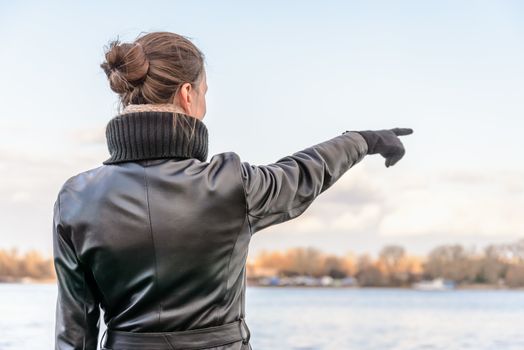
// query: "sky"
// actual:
[[283, 76]]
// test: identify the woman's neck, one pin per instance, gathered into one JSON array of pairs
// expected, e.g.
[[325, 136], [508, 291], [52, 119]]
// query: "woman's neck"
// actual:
[[150, 107]]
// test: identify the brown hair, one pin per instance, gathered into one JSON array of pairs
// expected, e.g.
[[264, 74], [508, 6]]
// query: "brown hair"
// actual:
[[152, 68]]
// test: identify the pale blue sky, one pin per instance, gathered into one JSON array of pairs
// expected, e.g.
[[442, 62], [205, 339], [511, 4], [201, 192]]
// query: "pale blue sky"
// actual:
[[283, 76]]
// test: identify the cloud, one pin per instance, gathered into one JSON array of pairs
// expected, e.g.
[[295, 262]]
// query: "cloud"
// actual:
[[88, 135], [21, 197], [454, 203], [28, 190], [364, 219], [472, 208]]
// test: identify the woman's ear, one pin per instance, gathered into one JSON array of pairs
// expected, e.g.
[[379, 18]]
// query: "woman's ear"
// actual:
[[183, 98]]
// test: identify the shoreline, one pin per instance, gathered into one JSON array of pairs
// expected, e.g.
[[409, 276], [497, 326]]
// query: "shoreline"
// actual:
[[465, 287], [457, 287]]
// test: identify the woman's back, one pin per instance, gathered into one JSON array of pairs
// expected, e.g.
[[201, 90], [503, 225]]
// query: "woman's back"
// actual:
[[158, 237]]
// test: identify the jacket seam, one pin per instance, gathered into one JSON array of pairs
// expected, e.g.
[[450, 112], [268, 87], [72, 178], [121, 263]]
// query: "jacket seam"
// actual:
[[245, 195], [152, 239], [238, 235], [84, 289], [85, 310], [286, 211]]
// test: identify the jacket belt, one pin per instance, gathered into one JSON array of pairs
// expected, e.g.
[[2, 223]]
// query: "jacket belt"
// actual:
[[190, 339]]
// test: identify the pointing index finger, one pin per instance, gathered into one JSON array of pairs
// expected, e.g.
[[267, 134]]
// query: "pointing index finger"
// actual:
[[402, 131]]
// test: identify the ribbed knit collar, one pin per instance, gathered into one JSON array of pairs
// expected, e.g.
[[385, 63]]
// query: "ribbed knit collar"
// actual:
[[153, 135]]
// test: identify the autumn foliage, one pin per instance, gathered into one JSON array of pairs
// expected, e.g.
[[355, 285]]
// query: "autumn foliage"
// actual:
[[501, 265], [32, 264], [495, 265]]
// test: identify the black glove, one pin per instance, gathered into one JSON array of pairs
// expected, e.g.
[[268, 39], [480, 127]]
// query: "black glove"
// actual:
[[386, 143]]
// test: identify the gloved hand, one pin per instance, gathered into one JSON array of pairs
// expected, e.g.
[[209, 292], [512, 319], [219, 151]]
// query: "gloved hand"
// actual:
[[386, 143]]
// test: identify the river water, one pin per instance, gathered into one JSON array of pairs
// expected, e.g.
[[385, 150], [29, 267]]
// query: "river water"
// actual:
[[320, 318]]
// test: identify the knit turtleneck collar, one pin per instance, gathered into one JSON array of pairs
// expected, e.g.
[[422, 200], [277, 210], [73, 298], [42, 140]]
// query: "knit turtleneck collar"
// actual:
[[155, 134]]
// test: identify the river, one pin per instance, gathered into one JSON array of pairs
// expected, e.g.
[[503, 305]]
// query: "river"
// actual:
[[320, 318]]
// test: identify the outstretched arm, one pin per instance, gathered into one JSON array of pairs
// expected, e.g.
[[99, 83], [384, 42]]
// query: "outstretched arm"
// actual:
[[77, 309], [283, 190]]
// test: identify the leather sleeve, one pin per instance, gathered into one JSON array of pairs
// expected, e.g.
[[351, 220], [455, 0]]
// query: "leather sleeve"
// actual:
[[283, 190], [77, 310]]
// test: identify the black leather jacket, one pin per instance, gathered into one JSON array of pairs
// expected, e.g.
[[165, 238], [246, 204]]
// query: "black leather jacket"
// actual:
[[161, 244]]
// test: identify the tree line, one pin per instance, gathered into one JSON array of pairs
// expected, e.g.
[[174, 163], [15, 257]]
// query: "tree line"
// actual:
[[32, 264], [496, 264]]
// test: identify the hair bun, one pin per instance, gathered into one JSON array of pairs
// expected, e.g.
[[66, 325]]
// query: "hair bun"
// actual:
[[152, 68], [126, 65]]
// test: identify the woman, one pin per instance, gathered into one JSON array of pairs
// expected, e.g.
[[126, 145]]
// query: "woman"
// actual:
[[157, 236]]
